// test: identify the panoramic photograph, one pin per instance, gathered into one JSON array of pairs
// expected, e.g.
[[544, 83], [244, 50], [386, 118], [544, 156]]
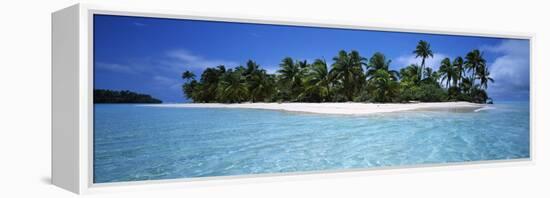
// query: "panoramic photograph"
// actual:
[[178, 98]]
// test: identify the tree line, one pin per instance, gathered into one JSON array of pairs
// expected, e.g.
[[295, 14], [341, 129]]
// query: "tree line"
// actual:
[[351, 77], [111, 96]]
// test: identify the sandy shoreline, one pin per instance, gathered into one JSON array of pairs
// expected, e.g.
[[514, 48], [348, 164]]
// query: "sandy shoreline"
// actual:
[[349, 108]]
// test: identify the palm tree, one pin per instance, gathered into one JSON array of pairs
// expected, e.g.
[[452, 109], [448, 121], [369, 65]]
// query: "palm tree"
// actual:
[[474, 62], [423, 50], [302, 64], [210, 79], [466, 85], [484, 77], [447, 71], [348, 69], [385, 87], [410, 73], [478, 95], [344, 80], [251, 67], [291, 76], [189, 88], [261, 86], [233, 87], [187, 75], [458, 64], [431, 76], [318, 81], [378, 61]]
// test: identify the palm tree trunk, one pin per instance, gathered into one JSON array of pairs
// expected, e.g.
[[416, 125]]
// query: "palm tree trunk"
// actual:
[[422, 68], [474, 76]]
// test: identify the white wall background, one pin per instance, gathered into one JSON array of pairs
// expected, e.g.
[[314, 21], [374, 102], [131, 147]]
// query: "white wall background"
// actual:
[[25, 96]]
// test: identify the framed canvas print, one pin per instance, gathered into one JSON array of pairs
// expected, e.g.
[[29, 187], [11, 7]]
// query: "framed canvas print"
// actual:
[[158, 97]]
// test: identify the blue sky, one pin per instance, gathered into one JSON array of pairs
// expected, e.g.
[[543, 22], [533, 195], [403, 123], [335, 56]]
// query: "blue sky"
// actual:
[[148, 55]]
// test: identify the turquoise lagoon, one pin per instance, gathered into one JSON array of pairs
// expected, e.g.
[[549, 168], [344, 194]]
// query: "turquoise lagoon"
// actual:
[[136, 142]]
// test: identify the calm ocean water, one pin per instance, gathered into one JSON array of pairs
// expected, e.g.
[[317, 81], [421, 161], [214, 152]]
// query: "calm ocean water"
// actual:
[[133, 142]]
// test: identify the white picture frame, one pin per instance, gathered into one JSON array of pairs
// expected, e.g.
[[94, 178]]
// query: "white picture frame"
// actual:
[[72, 101]]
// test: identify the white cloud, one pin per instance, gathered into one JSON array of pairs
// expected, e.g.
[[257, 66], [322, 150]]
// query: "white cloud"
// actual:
[[406, 60], [510, 69], [271, 70], [164, 81], [514, 47], [113, 67], [183, 59]]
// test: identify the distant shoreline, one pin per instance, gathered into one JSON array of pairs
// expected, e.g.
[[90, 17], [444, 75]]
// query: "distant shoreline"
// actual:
[[347, 108]]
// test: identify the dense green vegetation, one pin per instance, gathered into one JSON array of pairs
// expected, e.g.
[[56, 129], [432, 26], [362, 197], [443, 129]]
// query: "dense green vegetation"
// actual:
[[110, 96], [351, 77]]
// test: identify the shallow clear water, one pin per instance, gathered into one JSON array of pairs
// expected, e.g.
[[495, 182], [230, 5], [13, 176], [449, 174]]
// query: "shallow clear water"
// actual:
[[133, 142]]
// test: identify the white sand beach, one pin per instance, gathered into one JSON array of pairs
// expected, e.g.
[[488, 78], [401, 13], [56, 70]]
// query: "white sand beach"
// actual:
[[348, 108]]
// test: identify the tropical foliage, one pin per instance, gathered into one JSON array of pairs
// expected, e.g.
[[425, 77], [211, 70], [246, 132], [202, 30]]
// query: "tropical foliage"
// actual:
[[350, 77], [111, 96]]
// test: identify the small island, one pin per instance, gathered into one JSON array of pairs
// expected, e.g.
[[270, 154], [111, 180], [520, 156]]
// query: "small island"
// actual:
[[111, 96], [350, 77]]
